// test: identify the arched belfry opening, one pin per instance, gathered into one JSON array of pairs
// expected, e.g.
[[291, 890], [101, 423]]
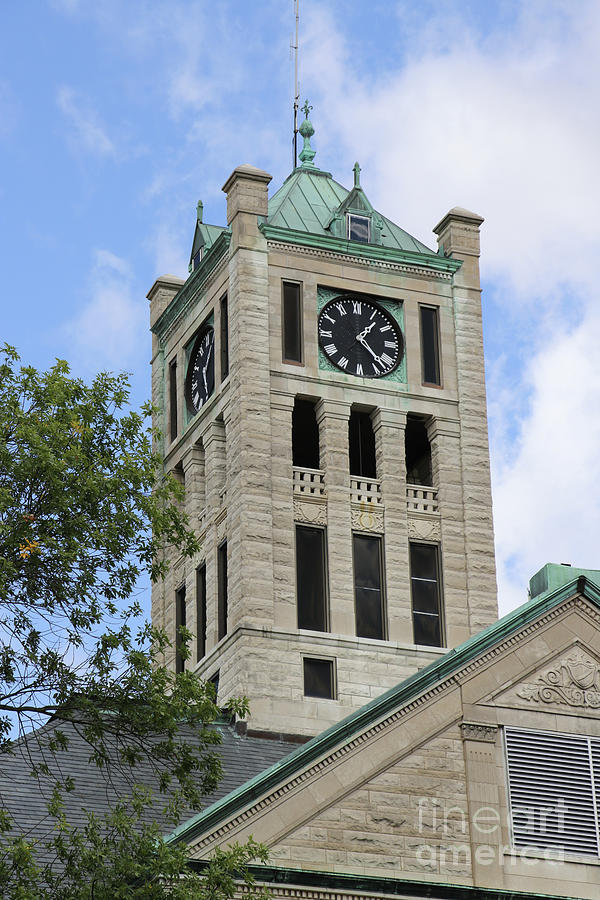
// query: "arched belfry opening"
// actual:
[[361, 445], [418, 451], [305, 434]]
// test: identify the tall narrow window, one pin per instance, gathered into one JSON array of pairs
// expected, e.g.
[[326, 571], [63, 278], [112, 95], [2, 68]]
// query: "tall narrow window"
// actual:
[[305, 435], [430, 344], [426, 594], [224, 338], [368, 580], [361, 439], [173, 399], [311, 578], [418, 452], [200, 612], [180, 618], [222, 586], [292, 322]]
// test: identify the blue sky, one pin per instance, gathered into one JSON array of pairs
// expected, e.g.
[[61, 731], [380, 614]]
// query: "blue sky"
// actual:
[[116, 117]]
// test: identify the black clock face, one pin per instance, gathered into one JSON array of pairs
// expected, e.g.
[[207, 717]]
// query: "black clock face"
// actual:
[[360, 337], [200, 382]]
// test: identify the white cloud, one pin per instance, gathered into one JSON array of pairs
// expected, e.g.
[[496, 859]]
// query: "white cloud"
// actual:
[[86, 130], [106, 333], [505, 124]]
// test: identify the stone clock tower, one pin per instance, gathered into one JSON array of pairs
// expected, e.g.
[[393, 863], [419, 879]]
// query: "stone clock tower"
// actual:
[[320, 385]]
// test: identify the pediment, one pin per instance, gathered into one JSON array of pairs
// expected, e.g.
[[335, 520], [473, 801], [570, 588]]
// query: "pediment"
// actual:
[[568, 682]]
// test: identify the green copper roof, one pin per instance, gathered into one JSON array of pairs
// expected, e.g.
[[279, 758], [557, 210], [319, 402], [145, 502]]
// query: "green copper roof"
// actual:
[[381, 706], [554, 575], [309, 200]]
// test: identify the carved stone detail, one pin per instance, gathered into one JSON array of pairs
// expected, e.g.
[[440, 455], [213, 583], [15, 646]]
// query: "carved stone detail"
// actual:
[[367, 517], [573, 681], [472, 731], [311, 512], [424, 529]]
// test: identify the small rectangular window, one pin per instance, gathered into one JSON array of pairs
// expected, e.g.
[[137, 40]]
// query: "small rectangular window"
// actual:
[[180, 618], [222, 588], [426, 594], [292, 322], [319, 678], [224, 338], [173, 399], [196, 259], [311, 578], [430, 344], [368, 593], [359, 228], [200, 612]]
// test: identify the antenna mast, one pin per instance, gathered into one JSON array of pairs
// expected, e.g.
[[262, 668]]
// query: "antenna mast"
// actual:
[[296, 91]]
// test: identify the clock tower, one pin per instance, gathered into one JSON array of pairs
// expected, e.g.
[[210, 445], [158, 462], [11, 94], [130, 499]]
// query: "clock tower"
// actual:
[[320, 390]]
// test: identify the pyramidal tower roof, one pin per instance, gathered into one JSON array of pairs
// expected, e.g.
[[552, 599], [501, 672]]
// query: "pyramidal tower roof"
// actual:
[[310, 201]]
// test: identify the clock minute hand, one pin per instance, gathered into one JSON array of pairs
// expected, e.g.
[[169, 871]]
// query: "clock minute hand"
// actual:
[[363, 342]]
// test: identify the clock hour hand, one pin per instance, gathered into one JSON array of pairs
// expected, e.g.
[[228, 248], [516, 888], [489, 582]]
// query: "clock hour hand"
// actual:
[[360, 337]]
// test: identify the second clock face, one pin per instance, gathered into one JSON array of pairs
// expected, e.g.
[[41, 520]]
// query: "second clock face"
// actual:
[[200, 382], [360, 337]]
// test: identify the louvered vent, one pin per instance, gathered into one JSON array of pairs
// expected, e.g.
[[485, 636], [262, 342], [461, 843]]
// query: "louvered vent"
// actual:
[[554, 786]]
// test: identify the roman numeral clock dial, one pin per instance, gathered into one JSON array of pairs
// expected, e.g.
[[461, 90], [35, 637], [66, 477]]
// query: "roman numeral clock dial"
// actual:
[[200, 378], [360, 337]]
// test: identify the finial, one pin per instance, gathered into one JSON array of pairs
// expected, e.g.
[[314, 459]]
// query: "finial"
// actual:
[[356, 170], [306, 130], [199, 210]]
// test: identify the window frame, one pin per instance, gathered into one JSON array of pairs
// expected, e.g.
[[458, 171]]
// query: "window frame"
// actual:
[[367, 219], [180, 622], [331, 660], [440, 592], [284, 358], [173, 401], [437, 348], [382, 592], [223, 337], [222, 591], [326, 611]]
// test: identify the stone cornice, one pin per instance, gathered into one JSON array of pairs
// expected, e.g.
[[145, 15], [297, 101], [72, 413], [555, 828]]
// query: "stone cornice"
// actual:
[[326, 247]]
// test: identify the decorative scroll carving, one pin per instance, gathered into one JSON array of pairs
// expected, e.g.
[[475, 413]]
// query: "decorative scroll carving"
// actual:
[[367, 517], [471, 731], [313, 513], [574, 681], [424, 529]]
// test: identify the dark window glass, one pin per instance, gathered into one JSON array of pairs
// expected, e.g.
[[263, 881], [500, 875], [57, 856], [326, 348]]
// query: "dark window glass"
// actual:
[[179, 624], [430, 344], [222, 583], [292, 322], [200, 612], [224, 338], [196, 259], [173, 399], [305, 435], [358, 228], [311, 578], [418, 452], [426, 594], [361, 439], [368, 586], [213, 681], [318, 678]]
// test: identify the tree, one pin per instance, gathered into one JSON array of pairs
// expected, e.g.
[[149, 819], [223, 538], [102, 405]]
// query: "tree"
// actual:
[[85, 510]]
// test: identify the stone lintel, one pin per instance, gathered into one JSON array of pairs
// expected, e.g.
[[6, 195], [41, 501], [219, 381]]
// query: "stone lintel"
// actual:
[[332, 409], [394, 418]]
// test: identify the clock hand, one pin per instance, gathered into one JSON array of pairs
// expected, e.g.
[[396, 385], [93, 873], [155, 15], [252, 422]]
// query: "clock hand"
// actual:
[[360, 337], [363, 342]]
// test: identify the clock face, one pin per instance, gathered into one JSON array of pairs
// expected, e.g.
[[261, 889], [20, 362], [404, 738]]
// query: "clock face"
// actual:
[[200, 380], [360, 337]]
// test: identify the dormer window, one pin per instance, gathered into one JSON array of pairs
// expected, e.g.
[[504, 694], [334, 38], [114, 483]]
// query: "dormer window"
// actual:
[[359, 228], [196, 259]]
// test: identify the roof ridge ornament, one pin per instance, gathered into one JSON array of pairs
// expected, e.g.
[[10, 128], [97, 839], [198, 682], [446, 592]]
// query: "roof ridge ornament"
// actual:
[[356, 170], [306, 130]]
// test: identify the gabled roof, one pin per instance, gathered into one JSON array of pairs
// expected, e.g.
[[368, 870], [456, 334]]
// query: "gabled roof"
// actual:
[[310, 199], [398, 696]]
